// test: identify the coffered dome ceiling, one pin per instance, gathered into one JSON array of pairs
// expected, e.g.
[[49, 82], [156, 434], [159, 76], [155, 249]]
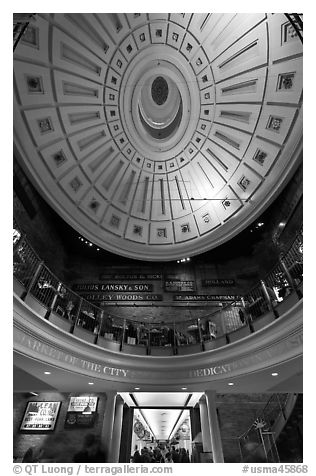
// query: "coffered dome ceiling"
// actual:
[[158, 136]]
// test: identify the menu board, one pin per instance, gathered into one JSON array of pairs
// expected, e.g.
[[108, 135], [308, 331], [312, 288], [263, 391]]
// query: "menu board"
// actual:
[[40, 416]]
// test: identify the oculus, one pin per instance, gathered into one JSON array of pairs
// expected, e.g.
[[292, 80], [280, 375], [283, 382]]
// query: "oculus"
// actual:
[[159, 90]]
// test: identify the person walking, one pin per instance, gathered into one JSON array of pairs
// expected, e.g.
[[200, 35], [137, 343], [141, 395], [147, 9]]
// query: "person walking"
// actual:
[[136, 455]]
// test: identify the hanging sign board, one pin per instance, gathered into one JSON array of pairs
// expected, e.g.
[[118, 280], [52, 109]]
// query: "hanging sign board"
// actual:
[[113, 287], [205, 297], [128, 297], [130, 277], [175, 285], [78, 404], [40, 416]]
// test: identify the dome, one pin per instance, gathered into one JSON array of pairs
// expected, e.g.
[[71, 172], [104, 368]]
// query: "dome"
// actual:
[[158, 136]]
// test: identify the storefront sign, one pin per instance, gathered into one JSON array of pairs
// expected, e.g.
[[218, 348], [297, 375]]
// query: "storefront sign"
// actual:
[[40, 416], [100, 297], [130, 277], [123, 297], [120, 287], [175, 285], [220, 283], [205, 297], [78, 404]]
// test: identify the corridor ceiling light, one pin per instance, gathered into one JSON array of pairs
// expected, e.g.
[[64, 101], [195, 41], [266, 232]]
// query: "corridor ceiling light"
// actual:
[[231, 383], [47, 373], [184, 388], [136, 388], [90, 383], [274, 374]]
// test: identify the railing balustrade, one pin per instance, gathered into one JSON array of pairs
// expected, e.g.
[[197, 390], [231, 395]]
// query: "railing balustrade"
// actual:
[[255, 303], [66, 309], [25, 262]]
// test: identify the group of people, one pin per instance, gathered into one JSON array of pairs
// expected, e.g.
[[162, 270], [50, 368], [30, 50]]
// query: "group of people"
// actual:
[[167, 454]]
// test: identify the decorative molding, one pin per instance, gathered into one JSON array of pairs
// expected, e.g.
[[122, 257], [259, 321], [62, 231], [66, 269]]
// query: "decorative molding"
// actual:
[[215, 67]]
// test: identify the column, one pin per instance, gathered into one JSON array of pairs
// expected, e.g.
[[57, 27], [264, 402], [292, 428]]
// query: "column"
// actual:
[[108, 421], [205, 426], [117, 431], [127, 434], [195, 417], [216, 439]]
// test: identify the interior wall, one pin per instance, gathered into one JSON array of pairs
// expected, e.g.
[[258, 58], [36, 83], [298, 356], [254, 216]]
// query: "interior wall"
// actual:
[[95, 289]]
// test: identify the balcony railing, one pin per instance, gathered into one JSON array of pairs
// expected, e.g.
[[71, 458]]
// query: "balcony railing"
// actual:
[[46, 294]]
